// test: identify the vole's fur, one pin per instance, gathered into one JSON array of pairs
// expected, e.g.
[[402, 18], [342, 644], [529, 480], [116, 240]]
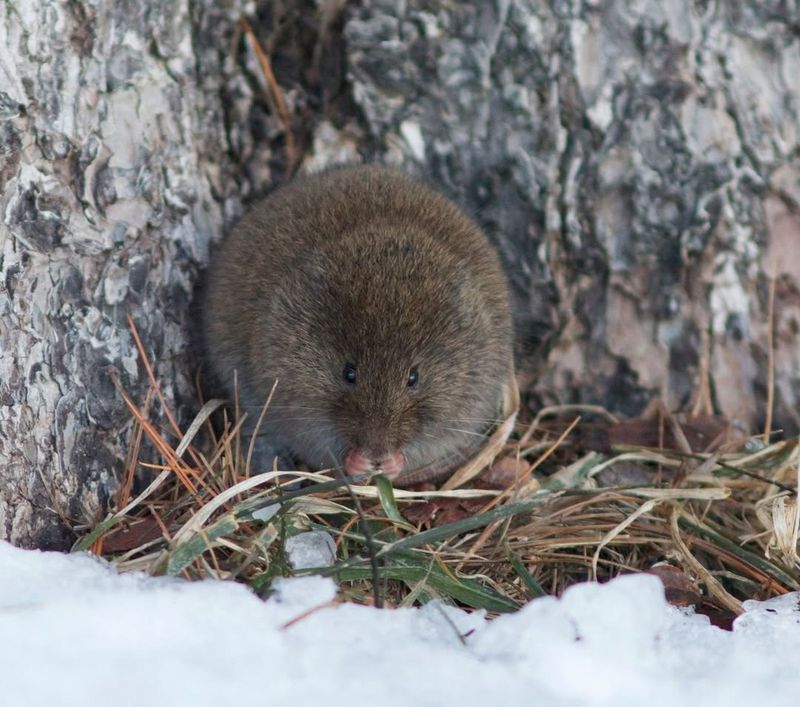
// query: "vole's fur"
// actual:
[[362, 266]]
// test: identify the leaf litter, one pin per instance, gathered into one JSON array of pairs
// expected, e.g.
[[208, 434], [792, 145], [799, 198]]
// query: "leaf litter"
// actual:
[[570, 495]]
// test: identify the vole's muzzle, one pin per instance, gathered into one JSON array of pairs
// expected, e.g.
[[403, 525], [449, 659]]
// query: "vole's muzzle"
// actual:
[[359, 461]]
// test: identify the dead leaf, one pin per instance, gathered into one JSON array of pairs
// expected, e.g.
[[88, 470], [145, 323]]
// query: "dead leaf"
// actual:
[[679, 588], [132, 535], [503, 474]]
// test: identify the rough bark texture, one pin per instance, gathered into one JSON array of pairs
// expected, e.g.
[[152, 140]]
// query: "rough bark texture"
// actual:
[[638, 165], [122, 158]]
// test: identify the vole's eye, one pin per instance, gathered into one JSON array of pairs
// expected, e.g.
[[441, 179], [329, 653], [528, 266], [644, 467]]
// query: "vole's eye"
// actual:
[[349, 373], [413, 377]]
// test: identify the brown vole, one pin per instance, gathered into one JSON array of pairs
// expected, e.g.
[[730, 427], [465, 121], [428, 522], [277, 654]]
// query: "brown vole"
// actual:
[[380, 309]]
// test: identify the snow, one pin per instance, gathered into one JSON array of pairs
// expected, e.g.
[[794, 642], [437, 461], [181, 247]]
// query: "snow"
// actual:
[[314, 548], [73, 632]]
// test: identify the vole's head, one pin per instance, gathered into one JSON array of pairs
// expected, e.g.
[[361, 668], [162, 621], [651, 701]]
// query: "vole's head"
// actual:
[[395, 352]]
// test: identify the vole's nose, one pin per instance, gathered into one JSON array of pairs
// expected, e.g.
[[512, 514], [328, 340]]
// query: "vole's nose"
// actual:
[[359, 461]]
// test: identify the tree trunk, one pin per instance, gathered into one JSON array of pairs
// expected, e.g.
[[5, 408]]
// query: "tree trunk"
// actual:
[[637, 165], [118, 171]]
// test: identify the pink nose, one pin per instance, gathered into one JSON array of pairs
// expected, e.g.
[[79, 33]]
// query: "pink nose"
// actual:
[[358, 462]]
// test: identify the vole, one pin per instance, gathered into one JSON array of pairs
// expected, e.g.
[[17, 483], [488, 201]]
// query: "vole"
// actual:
[[380, 309]]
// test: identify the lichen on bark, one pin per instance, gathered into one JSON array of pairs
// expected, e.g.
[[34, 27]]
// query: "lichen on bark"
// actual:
[[114, 183]]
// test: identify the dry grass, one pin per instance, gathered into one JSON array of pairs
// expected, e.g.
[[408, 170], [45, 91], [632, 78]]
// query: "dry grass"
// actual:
[[571, 495]]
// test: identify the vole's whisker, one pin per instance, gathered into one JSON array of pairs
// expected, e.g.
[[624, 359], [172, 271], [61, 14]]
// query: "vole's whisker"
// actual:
[[279, 407], [473, 419], [482, 435], [269, 419]]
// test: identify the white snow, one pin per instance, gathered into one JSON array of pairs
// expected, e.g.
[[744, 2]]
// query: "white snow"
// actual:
[[72, 632], [314, 548]]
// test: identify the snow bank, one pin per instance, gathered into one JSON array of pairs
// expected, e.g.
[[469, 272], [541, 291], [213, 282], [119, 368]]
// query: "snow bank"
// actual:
[[72, 632]]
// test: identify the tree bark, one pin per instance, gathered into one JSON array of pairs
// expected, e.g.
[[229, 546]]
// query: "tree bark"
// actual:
[[637, 165], [120, 166]]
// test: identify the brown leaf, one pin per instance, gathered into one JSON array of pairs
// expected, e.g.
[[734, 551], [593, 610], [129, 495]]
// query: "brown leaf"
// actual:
[[679, 588], [503, 474], [628, 473], [703, 433], [420, 514], [718, 615], [132, 535], [442, 510], [454, 510]]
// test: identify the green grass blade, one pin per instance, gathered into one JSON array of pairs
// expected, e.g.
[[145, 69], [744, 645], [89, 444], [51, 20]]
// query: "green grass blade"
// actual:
[[102, 528], [757, 561], [532, 587], [464, 525], [387, 499], [183, 555], [464, 590]]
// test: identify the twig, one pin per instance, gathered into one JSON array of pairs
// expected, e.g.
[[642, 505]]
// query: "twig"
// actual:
[[374, 561], [703, 404], [276, 93], [614, 532], [770, 359], [124, 494], [156, 388], [308, 612], [709, 579], [256, 429]]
